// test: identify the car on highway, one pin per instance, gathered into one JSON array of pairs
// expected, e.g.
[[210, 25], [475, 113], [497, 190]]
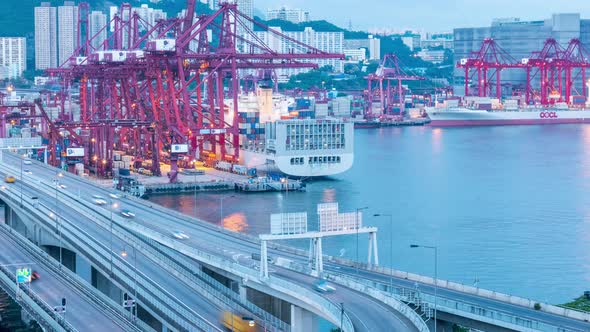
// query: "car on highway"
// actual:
[[26, 171], [62, 186], [35, 276], [115, 196], [322, 286], [27, 161], [180, 235], [127, 214], [256, 257], [9, 179], [98, 200]]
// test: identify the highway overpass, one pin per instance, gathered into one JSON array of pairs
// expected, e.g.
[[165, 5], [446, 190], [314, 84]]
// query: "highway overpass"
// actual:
[[367, 299]]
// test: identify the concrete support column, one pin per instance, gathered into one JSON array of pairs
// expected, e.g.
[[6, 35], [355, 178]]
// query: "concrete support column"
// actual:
[[303, 320], [104, 285], [311, 252], [373, 249], [83, 269], [319, 262], [263, 260]]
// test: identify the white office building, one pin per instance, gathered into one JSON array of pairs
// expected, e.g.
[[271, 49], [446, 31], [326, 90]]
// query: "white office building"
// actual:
[[98, 21], [294, 15], [67, 31], [372, 44], [45, 36], [13, 57], [355, 55], [433, 56]]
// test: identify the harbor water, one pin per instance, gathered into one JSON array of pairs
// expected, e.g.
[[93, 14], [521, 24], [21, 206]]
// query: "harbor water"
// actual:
[[508, 207]]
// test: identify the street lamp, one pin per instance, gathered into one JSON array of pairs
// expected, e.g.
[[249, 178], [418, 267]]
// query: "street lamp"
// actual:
[[390, 246], [124, 254], [112, 206], [435, 275], [221, 199], [356, 217]]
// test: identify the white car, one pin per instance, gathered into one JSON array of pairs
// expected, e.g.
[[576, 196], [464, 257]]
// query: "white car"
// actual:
[[62, 186], [99, 201], [127, 214], [322, 286], [26, 171], [27, 161], [180, 235], [115, 196]]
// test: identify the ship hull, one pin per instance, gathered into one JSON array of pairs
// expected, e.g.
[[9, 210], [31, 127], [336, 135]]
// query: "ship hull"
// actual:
[[282, 164], [465, 117]]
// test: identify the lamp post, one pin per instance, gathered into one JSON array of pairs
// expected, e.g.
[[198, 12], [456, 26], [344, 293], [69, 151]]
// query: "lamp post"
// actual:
[[341, 316], [435, 276], [221, 199], [124, 254], [356, 217], [112, 206], [390, 247], [21, 180]]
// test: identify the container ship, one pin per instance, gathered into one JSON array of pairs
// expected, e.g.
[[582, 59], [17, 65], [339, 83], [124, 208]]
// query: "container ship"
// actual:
[[279, 134], [476, 111]]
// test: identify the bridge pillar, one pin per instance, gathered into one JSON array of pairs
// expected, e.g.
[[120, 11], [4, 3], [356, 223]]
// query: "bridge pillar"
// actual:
[[303, 320], [83, 269], [319, 261], [263, 260], [104, 285]]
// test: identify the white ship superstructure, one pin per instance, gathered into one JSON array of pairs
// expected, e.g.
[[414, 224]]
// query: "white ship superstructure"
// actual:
[[272, 140], [304, 147]]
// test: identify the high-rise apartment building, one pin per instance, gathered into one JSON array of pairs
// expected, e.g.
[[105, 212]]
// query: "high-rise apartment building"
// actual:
[[246, 7], [331, 42], [45, 36], [13, 57], [374, 48], [294, 15], [97, 22], [519, 39], [67, 30]]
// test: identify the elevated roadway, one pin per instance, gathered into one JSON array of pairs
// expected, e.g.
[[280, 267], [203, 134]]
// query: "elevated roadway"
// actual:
[[367, 313]]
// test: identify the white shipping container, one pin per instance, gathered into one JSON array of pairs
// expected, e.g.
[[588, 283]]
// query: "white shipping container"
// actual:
[[331, 220], [288, 223], [223, 165]]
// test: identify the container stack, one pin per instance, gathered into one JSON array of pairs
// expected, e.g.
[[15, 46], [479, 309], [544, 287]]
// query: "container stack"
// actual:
[[341, 106], [79, 168], [250, 129], [321, 109], [127, 161]]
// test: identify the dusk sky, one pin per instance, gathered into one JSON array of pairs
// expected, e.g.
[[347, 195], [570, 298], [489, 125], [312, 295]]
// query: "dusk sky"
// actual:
[[430, 15]]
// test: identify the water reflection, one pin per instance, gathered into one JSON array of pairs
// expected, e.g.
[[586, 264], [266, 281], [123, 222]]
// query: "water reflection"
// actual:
[[235, 222]]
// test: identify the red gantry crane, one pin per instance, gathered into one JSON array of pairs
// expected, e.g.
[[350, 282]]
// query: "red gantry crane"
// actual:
[[488, 63], [161, 92], [389, 70]]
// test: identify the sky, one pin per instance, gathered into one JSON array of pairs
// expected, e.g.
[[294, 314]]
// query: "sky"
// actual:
[[429, 15]]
